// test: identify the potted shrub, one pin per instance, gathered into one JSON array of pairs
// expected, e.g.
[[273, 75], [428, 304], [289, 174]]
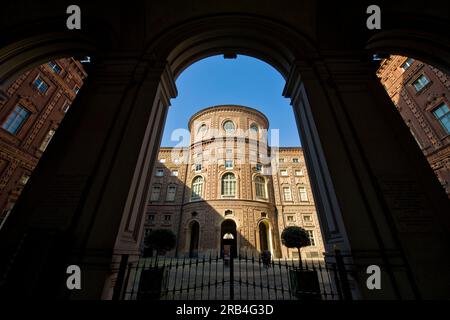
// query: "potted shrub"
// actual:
[[304, 283], [154, 279]]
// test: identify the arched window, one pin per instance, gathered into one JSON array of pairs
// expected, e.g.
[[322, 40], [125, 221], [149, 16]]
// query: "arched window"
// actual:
[[260, 187], [228, 126], [228, 185], [197, 188], [202, 131]]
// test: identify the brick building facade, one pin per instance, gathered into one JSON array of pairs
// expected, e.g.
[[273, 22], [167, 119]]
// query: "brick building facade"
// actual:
[[230, 184], [30, 112], [421, 94]]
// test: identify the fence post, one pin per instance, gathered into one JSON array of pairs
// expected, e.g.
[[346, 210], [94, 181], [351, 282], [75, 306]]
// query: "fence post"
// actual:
[[120, 277], [127, 279], [343, 275], [231, 277]]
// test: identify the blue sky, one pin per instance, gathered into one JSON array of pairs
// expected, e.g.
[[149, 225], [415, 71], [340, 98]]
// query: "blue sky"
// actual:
[[244, 81]]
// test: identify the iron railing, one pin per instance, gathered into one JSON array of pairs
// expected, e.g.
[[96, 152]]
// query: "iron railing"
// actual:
[[245, 277]]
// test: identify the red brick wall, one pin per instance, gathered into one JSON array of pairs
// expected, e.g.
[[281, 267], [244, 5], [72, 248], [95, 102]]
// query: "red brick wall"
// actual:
[[19, 152]]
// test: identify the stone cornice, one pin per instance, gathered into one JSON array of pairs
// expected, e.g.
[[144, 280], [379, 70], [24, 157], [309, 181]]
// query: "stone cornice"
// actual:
[[280, 149], [10, 153], [228, 107]]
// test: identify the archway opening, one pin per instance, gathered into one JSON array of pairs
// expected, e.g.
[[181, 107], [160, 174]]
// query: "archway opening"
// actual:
[[33, 104], [228, 239], [257, 37], [241, 97], [421, 95], [263, 237], [193, 243]]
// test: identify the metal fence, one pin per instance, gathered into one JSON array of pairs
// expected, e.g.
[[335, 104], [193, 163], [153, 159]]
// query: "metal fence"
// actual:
[[245, 277]]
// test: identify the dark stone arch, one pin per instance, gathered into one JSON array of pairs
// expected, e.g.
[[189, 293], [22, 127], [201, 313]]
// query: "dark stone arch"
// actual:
[[288, 52], [36, 42], [433, 49], [268, 40]]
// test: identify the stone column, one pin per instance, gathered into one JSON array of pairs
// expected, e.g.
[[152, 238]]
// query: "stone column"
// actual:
[[84, 203], [377, 197]]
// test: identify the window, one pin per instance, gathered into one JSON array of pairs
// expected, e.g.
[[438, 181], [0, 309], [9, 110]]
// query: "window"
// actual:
[[258, 167], [311, 237], [312, 254], [284, 173], [156, 191], [24, 179], [228, 126], [46, 140], [171, 192], [55, 67], [260, 187], [299, 172], [253, 128], [174, 173], [76, 89], [16, 119], [147, 232], [228, 185], [162, 160], [167, 217], [442, 114], [151, 217], [407, 64], [66, 106], [307, 218], [198, 167], [202, 130], [290, 218], [420, 83], [228, 212], [159, 172], [295, 160], [303, 194], [40, 84], [228, 164], [281, 160], [229, 151], [287, 194], [197, 188]]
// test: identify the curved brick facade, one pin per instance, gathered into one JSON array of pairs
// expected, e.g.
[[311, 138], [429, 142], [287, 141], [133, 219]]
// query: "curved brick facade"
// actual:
[[231, 175]]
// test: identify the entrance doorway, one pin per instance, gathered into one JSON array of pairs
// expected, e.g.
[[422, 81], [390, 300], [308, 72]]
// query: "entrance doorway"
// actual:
[[193, 244], [263, 237], [228, 238]]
